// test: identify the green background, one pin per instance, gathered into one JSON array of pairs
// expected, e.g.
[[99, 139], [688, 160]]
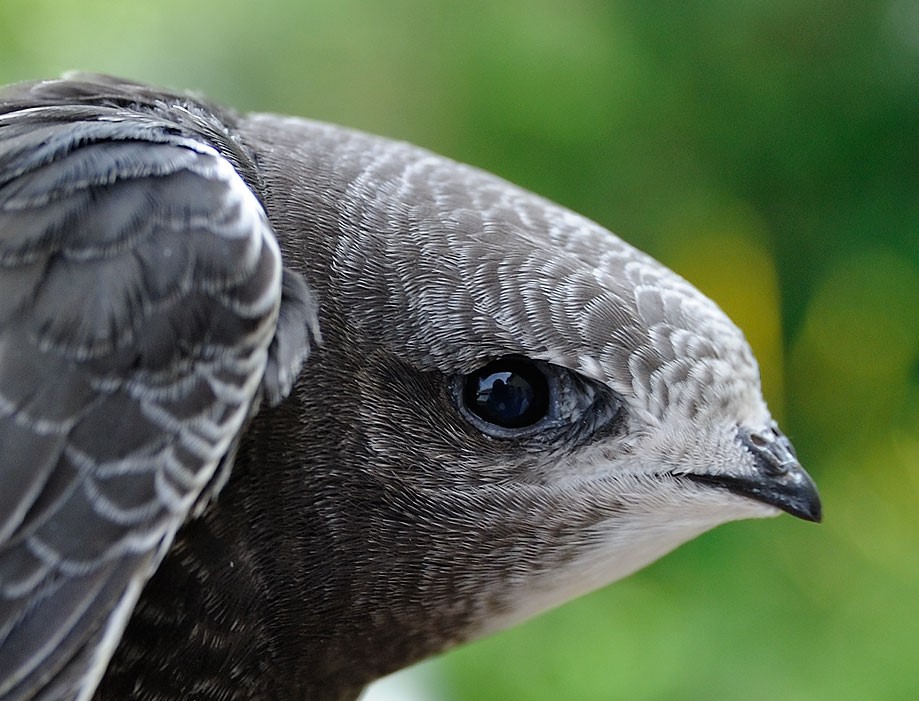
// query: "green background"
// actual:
[[768, 151]]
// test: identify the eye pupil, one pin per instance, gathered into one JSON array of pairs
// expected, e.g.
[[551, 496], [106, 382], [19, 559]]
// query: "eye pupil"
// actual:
[[509, 392]]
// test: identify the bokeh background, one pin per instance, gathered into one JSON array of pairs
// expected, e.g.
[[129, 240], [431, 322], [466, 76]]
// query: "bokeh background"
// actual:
[[768, 151]]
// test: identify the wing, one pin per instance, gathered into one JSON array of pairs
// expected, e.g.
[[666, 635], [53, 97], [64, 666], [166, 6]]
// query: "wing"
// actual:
[[140, 292]]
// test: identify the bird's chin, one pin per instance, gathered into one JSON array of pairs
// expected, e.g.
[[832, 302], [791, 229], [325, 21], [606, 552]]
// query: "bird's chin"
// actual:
[[611, 552]]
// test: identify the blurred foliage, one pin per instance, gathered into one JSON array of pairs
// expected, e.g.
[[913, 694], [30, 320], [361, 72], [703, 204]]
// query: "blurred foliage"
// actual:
[[769, 151]]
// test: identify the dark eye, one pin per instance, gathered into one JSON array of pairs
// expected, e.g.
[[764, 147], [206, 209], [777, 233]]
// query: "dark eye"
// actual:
[[510, 392], [515, 397]]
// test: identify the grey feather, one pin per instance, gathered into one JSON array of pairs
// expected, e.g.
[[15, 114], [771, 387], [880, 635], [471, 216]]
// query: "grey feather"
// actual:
[[369, 519], [144, 291]]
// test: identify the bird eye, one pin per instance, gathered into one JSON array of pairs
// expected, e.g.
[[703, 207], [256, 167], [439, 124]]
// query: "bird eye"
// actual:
[[516, 398], [510, 392]]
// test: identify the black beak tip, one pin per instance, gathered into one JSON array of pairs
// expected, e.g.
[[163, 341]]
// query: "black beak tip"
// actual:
[[804, 502]]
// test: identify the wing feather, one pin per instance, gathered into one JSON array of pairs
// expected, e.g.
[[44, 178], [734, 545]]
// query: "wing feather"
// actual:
[[140, 288]]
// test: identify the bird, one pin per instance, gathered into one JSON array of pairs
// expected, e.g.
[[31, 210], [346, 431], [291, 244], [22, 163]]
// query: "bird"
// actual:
[[285, 407]]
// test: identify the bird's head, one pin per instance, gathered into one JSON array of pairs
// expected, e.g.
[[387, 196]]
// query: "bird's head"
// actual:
[[541, 408]]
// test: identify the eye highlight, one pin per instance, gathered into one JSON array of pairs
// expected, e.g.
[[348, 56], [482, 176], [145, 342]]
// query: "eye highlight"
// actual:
[[510, 392]]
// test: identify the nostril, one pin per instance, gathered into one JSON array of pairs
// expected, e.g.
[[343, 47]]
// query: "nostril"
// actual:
[[773, 450]]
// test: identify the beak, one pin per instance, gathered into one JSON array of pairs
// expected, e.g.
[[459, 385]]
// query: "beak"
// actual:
[[777, 479]]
